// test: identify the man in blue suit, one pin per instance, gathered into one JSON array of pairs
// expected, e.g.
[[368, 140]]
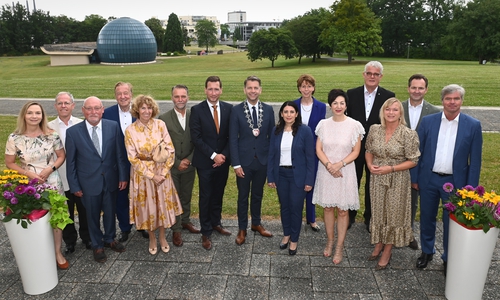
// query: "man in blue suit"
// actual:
[[451, 148], [120, 113], [95, 169], [252, 123], [209, 127]]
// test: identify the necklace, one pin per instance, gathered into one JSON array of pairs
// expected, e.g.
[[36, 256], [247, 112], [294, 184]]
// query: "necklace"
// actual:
[[260, 109], [304, 107]]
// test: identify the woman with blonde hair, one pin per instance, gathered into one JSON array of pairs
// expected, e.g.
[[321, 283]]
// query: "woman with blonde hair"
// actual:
[[154, 202], [41, 153]]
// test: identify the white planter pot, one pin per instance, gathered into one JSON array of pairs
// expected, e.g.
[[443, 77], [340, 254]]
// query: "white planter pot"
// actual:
[[35, 254], [469, 256]]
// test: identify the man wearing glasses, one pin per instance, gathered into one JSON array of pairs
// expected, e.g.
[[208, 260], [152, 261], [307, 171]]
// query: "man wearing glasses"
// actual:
[[364, 105], [95, 167]]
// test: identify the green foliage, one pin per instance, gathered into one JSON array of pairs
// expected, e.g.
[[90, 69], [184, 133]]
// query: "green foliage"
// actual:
[[474, 31], [91, 26], [174, 36], [238, 33], [206, 33], [352, 28], [269, 44], [59, 209], [155, 26], [224, 32], [305, 34]]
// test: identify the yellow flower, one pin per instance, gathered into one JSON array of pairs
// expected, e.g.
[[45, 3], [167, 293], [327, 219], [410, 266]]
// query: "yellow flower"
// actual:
[[469, 216], [461, 203]]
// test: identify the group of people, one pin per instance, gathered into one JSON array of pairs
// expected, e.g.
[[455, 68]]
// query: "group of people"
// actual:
[[107, 164]]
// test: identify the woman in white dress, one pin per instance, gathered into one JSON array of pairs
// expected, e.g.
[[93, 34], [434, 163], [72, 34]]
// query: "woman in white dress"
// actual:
[[336, 188]]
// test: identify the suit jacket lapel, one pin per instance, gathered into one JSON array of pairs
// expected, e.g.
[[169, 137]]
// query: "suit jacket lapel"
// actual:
[[462, 124], [175, 120], [406, 112]]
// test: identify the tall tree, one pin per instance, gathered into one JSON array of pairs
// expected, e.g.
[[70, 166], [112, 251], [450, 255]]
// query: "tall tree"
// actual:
[[90, 28], [224, 32], [206, 33], [271, 43], [474, 32], [353, 28], [174, 38], [15, 29], [155, 26], [42, 28], [65, 30], [238, 34]]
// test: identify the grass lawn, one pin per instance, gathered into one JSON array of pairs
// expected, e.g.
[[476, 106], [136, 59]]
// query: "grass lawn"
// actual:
[[32, 77]]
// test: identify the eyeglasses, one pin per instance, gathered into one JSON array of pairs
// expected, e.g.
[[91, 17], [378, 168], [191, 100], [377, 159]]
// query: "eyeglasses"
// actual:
[[370, 74], [95, 108], [64, 103]]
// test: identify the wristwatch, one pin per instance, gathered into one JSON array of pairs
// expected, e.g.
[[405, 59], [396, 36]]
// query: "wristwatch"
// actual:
[[343, 163], [54, 168]]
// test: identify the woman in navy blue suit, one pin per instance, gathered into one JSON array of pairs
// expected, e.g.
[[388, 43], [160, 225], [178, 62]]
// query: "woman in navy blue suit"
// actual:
[[290, 169], [311, 111]]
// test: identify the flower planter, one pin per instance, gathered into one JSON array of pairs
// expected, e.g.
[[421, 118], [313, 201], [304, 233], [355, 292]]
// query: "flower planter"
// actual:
[[469, 255], [35, 254]]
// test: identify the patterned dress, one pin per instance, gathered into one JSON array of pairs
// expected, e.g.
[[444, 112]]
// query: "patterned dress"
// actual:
[[391, 193], [338, 139], [36, 153], [151, 205]]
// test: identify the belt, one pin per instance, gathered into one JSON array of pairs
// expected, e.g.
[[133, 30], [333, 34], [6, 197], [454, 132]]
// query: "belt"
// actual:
[[142, 157], [442, 174], [286, 167]]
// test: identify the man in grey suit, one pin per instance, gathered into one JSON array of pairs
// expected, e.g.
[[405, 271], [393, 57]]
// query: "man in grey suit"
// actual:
[[96, 170], [415, 108], [252, 123], [177, 121], [64, 104]]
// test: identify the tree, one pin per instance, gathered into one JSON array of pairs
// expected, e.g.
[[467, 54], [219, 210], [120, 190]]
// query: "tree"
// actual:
[[305, 33], [237, 34], [42, 28], [90, 28], [174, 38], [206, 33], [224, 32], [353, 28], [15, 29], [65, 30], [475, 31], [155, 26], [271, 43]]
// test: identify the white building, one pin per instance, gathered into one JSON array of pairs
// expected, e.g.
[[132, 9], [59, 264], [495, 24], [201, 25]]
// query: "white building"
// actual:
[[189, 22]]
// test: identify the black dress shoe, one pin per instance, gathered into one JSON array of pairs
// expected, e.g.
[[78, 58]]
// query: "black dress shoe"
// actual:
[[350, 225], [284, 246], [144, 233], [70, 248], [124, 236], [423, 260], [413, 245], [292, 252], [368, 227], [88, 244]]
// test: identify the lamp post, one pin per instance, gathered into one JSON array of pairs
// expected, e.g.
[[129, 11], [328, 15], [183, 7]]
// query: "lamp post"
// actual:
[[408, 55]]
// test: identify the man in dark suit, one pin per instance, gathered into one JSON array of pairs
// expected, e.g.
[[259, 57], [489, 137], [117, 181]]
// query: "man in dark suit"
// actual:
[[177, 121], [65, 103], [249, 136], [364, 106], [451, 148], [415, 108], [209, 125], [95, 167], [120, 113]]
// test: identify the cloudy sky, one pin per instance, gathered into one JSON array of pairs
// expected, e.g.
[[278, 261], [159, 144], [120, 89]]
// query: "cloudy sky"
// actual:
[[257, 10]]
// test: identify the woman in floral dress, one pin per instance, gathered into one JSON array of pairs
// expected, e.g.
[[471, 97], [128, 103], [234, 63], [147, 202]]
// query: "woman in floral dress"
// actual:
[[41, 153], [153, 199]]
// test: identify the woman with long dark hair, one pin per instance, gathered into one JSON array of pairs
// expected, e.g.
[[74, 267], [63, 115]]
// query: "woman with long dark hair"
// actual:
[[290, 169]]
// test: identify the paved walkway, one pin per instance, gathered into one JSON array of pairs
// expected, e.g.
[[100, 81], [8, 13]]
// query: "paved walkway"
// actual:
[[256, 270]]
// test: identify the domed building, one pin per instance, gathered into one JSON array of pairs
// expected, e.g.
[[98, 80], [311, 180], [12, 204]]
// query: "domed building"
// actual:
[[126, 40]]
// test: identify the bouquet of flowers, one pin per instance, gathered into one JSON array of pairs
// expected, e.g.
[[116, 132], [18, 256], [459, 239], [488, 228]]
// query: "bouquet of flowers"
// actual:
[[27, 201], [474, 207]]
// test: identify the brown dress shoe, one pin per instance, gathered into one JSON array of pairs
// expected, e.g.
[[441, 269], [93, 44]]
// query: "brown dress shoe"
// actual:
[[240, 239], [221, 230], [206, 242], [260, 229], [189, 226], [177, 239]]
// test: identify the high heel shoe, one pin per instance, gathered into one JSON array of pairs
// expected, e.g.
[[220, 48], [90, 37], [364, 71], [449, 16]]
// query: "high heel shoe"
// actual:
[[63, 266], [328, 248], [314, 228], [283, 246], [373, 257], [290, 251], [379, 267], [339, 252], [153, 251], [165, 249]]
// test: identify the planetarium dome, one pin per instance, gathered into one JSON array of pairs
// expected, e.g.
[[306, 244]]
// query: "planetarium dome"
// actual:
[[126, 40]]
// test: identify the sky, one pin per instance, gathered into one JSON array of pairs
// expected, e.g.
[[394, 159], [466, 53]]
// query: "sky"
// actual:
[[142, 10]]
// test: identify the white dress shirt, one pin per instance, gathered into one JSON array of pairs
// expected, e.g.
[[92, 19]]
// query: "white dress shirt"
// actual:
[[286, 149], [125, 118], [443, 162], [369, 99], [414, 113], [98, 130]]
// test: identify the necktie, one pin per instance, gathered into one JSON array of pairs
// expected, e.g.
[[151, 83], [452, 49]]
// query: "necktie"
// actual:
[[95, 140], [254, 117], [216, 118]]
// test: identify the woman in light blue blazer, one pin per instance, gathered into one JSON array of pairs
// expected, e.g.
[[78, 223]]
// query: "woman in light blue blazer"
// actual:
[[290, 169]]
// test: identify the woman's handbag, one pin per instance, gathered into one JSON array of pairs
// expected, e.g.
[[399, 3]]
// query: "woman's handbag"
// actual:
[[160, 152]]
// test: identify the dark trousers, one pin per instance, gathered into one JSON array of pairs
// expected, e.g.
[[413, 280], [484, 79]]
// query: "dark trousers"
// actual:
[[183, 183], [291, 200], [212, 183], [310, 207], [70, 235], [123, 210], [360, 164], [105, 202], [430, 198], [414, 206], [252, 184]]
